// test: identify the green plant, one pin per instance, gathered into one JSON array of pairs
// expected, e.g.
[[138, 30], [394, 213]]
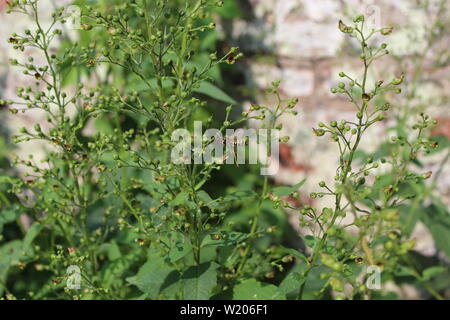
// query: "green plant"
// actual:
[[373, 201]]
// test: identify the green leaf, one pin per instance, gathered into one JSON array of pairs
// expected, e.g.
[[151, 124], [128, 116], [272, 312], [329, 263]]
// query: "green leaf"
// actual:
[[223, 238], [214, 92], [298, 255], [432, 272], [32, 233], [251, 289], [292, 282], [285, 191], [154, 276], [402, 271], [180, 248], [209, 202], [199, 281]]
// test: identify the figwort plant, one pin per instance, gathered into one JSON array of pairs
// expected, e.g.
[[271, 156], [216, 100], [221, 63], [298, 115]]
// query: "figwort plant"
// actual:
[[114, 207], [129, 174]]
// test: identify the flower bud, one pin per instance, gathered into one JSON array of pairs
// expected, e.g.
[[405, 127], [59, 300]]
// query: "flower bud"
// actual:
[[319, 132], [386, 31], [399, 80], [359, 18], [344, 28]]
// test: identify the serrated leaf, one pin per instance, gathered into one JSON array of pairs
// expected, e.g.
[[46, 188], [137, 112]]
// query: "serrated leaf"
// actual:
[[199, 281], [251, 289], [285, 191], [291, 283], [310, 240], [179, 249], [214, 92]]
